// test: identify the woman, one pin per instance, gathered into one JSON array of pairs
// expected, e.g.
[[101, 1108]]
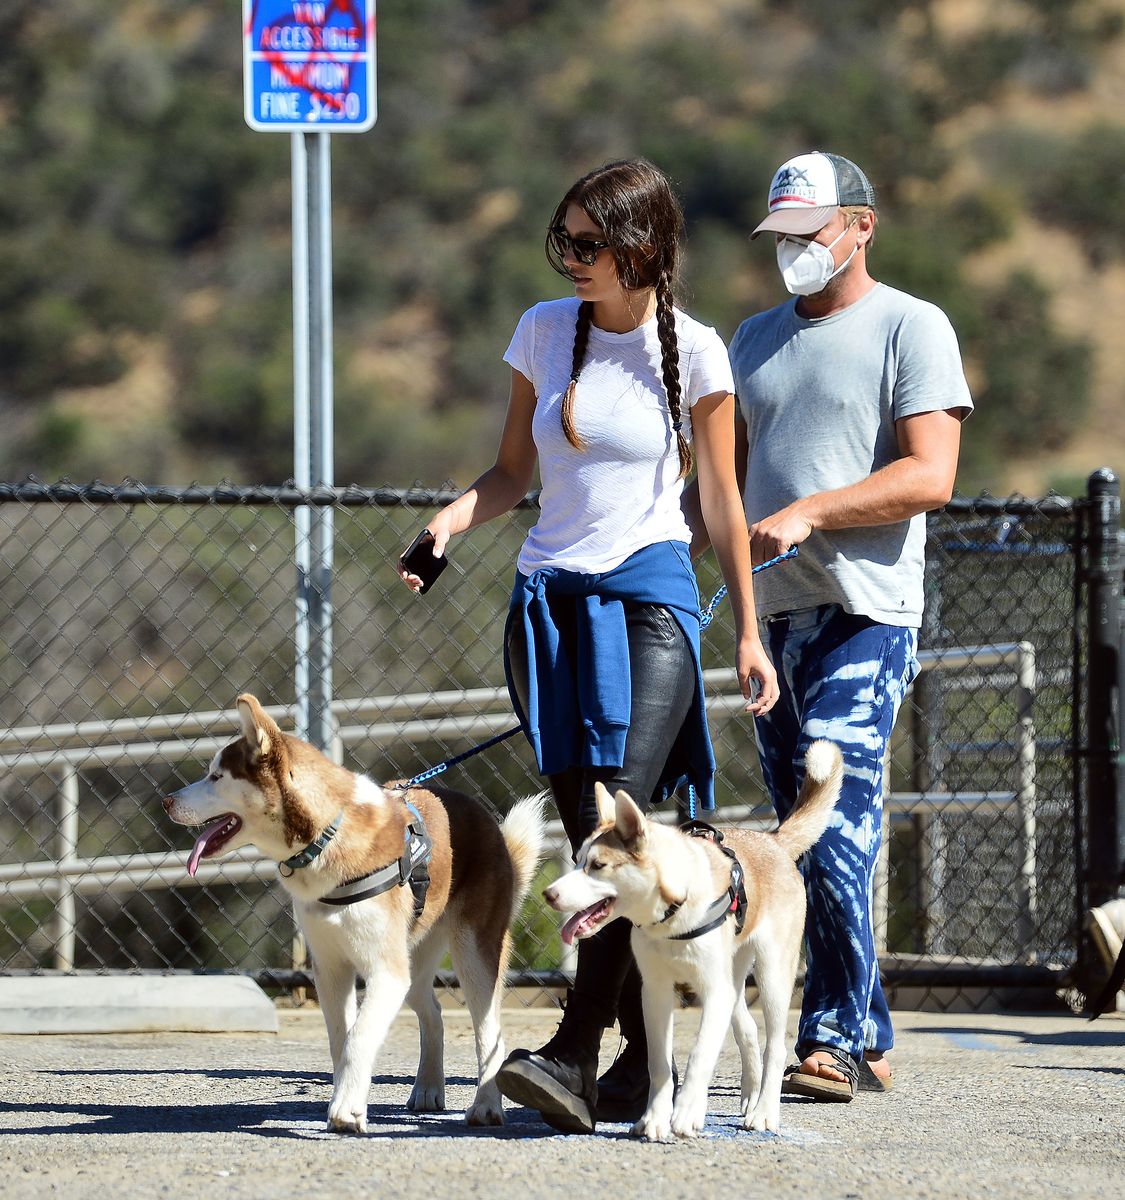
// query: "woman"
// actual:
[[615, 392]]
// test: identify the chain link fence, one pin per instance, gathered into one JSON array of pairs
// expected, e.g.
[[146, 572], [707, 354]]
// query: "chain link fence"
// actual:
[[131, 617]]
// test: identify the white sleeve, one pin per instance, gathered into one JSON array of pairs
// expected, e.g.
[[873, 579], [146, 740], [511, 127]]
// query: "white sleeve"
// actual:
[[521, 349], [705, 368]]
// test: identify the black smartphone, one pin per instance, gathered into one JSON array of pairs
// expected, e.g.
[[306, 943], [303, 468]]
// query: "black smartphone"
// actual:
[[419, 560]]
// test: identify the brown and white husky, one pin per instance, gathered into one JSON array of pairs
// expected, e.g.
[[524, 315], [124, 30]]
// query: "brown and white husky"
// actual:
[[355, 858], [693, 926]]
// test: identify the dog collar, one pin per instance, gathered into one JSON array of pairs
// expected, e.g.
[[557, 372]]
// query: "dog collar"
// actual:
[[313, 850], [733, 900], [412, 868]]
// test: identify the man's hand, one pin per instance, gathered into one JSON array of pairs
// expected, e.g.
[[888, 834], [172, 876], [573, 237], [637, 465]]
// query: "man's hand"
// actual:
[[775, 534]]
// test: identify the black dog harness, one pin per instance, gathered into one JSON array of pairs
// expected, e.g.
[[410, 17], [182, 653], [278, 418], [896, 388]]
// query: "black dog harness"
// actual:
[[412, 868], [733, 899]]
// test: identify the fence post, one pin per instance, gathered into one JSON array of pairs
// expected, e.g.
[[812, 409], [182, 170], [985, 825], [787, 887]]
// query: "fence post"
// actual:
[[1025, 798], [928, 767], [1105, 770], [66, 851]]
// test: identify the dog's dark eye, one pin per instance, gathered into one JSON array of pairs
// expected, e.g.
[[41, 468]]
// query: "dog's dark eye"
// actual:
[[595, 865], [214, 777]]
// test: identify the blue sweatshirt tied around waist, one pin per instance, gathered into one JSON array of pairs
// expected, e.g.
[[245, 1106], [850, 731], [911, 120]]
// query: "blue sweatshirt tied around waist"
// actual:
[[578, 711]]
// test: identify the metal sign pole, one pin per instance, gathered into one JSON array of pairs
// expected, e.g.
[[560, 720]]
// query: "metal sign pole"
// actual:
[[302, 464], [312, 431], [320, 448], [309, 70]]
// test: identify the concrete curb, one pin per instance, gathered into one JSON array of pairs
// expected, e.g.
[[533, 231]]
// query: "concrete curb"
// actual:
[[39, 1004]]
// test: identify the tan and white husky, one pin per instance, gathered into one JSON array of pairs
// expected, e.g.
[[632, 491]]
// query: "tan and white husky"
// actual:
[[693, 927], [354, 857]]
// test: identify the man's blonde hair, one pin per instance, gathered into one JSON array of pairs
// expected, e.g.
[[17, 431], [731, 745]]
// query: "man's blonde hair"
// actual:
[[857, 210]]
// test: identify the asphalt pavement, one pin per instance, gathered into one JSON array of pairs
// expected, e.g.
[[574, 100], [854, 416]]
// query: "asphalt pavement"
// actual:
[[985, 1105]]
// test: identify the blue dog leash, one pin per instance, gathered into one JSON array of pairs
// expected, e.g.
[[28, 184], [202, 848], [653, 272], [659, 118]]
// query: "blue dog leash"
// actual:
[[459, 758], [705, 619], [708, 614]]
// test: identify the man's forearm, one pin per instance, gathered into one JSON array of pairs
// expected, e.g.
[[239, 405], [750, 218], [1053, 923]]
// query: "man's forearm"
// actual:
[[896, 492]]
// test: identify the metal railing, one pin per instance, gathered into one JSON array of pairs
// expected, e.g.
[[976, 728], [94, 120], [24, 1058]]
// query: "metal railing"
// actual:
[[65, 750]]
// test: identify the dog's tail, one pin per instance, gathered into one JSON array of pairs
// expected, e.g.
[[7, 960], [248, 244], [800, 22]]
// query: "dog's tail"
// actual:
[[524, 829], [824, 769]]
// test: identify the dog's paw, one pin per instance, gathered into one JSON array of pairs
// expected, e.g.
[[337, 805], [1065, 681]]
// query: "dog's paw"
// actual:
[[688, 1120], [765, 1118], [652, 1128], [427, 1098], [347, 1118], [485, 1112], [751, 1093]]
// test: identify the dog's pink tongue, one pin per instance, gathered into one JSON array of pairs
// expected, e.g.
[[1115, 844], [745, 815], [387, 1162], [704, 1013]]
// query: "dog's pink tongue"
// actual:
[[569, 926], [201, 843], [573, 926]]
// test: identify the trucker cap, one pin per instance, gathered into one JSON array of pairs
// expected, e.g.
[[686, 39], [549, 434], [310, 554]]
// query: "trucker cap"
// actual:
[[808, 189]]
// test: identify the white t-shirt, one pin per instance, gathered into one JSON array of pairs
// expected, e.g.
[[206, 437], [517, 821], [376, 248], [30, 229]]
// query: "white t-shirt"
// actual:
[[622, 492]]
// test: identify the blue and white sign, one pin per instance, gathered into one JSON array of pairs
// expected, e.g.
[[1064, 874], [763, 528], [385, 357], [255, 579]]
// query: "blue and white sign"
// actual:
[[309, 65]]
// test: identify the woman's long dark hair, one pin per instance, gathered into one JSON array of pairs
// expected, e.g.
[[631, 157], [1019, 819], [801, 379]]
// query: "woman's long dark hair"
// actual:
[[633, 204]]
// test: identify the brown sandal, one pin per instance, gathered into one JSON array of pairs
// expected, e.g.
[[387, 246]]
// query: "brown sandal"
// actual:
[[870, 1082], [817, 1087]]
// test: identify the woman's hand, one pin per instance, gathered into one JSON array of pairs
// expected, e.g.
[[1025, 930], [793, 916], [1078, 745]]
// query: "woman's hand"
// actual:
[[440, 536], [756, 676]]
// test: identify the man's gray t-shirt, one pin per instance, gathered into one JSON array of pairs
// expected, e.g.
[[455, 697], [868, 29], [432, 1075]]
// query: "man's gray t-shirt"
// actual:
[[820, 399]]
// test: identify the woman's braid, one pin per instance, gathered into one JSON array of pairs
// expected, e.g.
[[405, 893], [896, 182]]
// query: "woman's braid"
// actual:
[[670, 366], [581, 337]]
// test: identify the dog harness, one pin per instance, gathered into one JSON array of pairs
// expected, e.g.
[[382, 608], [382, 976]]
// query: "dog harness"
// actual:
[[733, 899], [412, 868]]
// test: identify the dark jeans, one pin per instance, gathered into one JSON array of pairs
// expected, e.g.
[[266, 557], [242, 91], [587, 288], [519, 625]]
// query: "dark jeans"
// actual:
[[662, 679]]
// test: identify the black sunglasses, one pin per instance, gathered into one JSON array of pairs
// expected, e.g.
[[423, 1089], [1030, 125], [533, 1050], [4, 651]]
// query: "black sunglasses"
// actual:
[[584, 249]]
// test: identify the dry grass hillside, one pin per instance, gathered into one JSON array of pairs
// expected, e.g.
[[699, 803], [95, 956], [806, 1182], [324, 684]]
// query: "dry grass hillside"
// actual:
[[1087, 303], [145, 315]]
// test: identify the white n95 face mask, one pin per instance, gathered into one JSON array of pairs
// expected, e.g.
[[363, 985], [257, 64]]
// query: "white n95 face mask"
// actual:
[[806, 267]]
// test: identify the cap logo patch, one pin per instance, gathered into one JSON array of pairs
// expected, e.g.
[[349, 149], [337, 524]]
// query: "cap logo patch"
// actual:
[[793, 185]]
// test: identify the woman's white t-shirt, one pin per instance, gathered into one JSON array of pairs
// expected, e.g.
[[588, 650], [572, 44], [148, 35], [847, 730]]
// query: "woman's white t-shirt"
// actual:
[[622, 492]]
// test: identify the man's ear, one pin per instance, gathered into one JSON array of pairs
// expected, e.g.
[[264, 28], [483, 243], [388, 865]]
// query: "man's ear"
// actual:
[[865, 224], [630, 821], [256, 725]]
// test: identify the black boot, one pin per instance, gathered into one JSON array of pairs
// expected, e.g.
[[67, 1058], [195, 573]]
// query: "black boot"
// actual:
[[623, 1089], [560, 1078]]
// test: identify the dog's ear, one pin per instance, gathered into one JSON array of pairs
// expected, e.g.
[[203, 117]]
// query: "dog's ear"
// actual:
[[630, 821], [607, 810], [256, 725]]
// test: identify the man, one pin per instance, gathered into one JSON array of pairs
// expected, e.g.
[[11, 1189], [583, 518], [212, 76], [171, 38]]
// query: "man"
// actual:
[[851, 399]]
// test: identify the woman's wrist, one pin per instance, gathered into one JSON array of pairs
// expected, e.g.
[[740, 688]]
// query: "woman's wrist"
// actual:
[[746, 630]]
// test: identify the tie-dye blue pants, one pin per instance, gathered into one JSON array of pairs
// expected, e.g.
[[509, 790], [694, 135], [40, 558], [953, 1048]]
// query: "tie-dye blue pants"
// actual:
[[842, 677]]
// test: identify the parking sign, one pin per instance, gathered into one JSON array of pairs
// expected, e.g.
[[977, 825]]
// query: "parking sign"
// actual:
[[309, 65]]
